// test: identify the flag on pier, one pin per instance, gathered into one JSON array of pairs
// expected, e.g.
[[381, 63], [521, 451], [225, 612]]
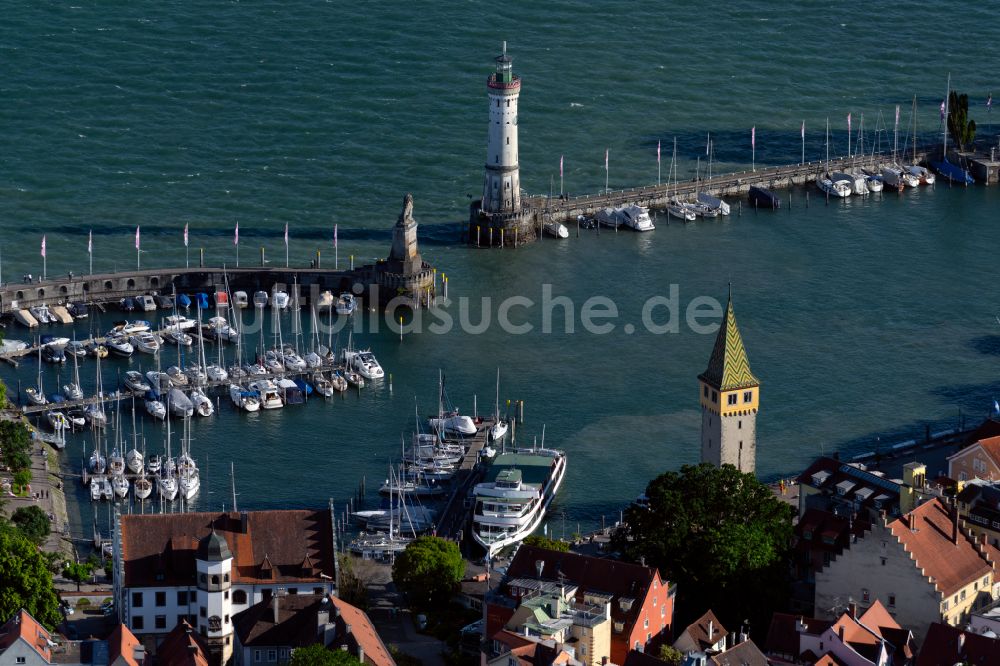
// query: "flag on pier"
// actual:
[[753, 136], [137, 238], [606, 152], [996, 406], [848, 123], [989, 102], [802, 132], [897, 116], [658, 152], [708, 143], [236, 234], [561, 166], [185, 235], [942, 109], [335, 236], [286, 235], [90, 242], [43, 246]]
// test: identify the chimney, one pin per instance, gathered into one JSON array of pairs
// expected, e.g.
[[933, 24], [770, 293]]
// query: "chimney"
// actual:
[[604, 661], [244, 521], [852, 610], [954, 524], [961, 643], [711, 630], [361, 654], [840, 632], [274, 604], [539, 567], [193, 648]]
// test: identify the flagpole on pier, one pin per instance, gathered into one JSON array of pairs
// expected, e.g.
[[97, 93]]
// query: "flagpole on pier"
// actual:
[[657, 162], [90, 250], [137, 250], [560, 175], [606, 153], [753, 148], [802, 132], [336, 250], [286, 244], [236, 242], [187, 250]]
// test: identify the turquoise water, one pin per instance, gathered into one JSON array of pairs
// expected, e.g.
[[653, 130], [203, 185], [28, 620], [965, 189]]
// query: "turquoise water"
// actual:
[[862, 318]]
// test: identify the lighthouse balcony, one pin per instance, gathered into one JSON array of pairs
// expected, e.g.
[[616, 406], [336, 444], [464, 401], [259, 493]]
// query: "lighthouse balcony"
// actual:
[[513, 84]]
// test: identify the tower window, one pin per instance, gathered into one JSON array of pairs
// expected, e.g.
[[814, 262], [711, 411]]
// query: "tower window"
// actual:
[[731, 399], [705, 390], [508, 104], [498, 104], [739, 425], [508, 141], [496, 158], [715, 397], [748, 396]]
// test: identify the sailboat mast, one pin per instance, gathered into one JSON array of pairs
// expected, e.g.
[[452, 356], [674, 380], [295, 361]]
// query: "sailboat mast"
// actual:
[[944, 133]]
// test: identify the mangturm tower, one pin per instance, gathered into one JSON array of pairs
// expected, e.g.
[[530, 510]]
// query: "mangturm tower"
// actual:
[[499, 216], [730, 398]]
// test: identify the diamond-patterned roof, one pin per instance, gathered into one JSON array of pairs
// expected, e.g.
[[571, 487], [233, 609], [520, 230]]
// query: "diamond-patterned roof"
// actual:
[[729, 369]]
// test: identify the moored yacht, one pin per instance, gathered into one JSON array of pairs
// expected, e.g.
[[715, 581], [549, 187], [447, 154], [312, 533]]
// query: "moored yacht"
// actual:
[[363, 362], [346, 304], [636, 218], [270, 398], [512, 500], [248, 401]]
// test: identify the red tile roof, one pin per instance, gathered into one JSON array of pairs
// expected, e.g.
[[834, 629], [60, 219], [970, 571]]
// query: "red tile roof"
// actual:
[[926, 533], [946, 645], [159, 550], [743, 654], [989, 445], [122, 643], [364, 633], [182, 647], [783, 635], [698, 631], [24, 626]]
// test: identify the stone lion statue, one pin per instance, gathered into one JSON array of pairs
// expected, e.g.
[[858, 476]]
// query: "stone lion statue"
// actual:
[[407, 213]]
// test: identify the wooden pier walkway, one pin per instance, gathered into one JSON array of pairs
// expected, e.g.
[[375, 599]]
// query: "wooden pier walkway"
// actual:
[[457, 511], [567, 209]]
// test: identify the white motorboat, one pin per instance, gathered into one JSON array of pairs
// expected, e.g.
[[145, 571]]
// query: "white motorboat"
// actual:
[[216, 373], [176, 336], [237, 372], [248, 401], [255, 370], [338, 382], [858, 184], [7, 346], [279, 300], [364, 363], [609, 217], [180, 322], [153, 465], [176, 377], [119, 346], [146, 303], [346, 304], [874, 182], [512, 500], [453, 423], [77, 349], [270, 397], [353, 378], [322, 385], [555, 229], [147, 343], [223, 330], [833, 188], [202, 404], [179, 404], [908, 178], [702, 210], [119, 486], [260, 299], [240, 299], [681, 211], [143, 487], [636, 218], [42, 314], [134, 381], [714, 202], [129, 328], [325, 301], [155, 408], [923, 175]]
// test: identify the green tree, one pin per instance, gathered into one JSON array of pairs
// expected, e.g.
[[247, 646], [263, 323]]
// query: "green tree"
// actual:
[[720, 535], [317, 655], [671, 655], [78, 572], [540, 541], [15, 445], [32, 522], [429, 570], [960, 127], [25, 581], [22, 479]]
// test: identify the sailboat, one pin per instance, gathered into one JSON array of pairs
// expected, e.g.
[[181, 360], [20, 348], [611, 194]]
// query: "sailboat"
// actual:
[[950, 172], [923, 174], [72, 390], [675, 207], [37, 395], [97, 463], [246, 400], [95, 412], [166, 483], [188, 478], [824, 181], [499, 429], [449, 421], [202, 404]]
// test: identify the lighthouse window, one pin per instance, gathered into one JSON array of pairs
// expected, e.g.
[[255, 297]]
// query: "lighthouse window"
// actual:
[[747, 396], [508, 141], [508, 104], [496, 158]]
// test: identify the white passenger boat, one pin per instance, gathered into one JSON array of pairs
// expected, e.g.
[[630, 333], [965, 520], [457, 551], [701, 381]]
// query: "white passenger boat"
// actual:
[[636, 218], [270, 397], [179, 322], [196, 375], [322, 385], [146, 303], [134, 381], [292, 361], [923, 175], [42, 314], [167, 487], [134, 460], [216, 373], [119, 486], [7, 346], [175, 336], [512, 500]]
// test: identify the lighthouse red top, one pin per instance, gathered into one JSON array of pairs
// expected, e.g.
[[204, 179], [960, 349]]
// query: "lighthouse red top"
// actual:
[[504, 78]]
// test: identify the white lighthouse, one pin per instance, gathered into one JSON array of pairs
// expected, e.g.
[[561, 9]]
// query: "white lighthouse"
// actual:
[[214, 564], [502, 185]]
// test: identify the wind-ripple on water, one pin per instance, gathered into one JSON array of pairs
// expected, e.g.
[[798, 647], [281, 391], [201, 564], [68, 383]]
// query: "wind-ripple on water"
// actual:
[[860, 317]]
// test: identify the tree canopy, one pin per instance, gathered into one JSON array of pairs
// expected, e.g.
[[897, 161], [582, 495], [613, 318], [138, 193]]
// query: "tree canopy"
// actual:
[[720, 535], [32, 522], [429, 570], [961, 128], [25, 580], [78, 572], [317, 655], [548, 544], [15, 445]]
